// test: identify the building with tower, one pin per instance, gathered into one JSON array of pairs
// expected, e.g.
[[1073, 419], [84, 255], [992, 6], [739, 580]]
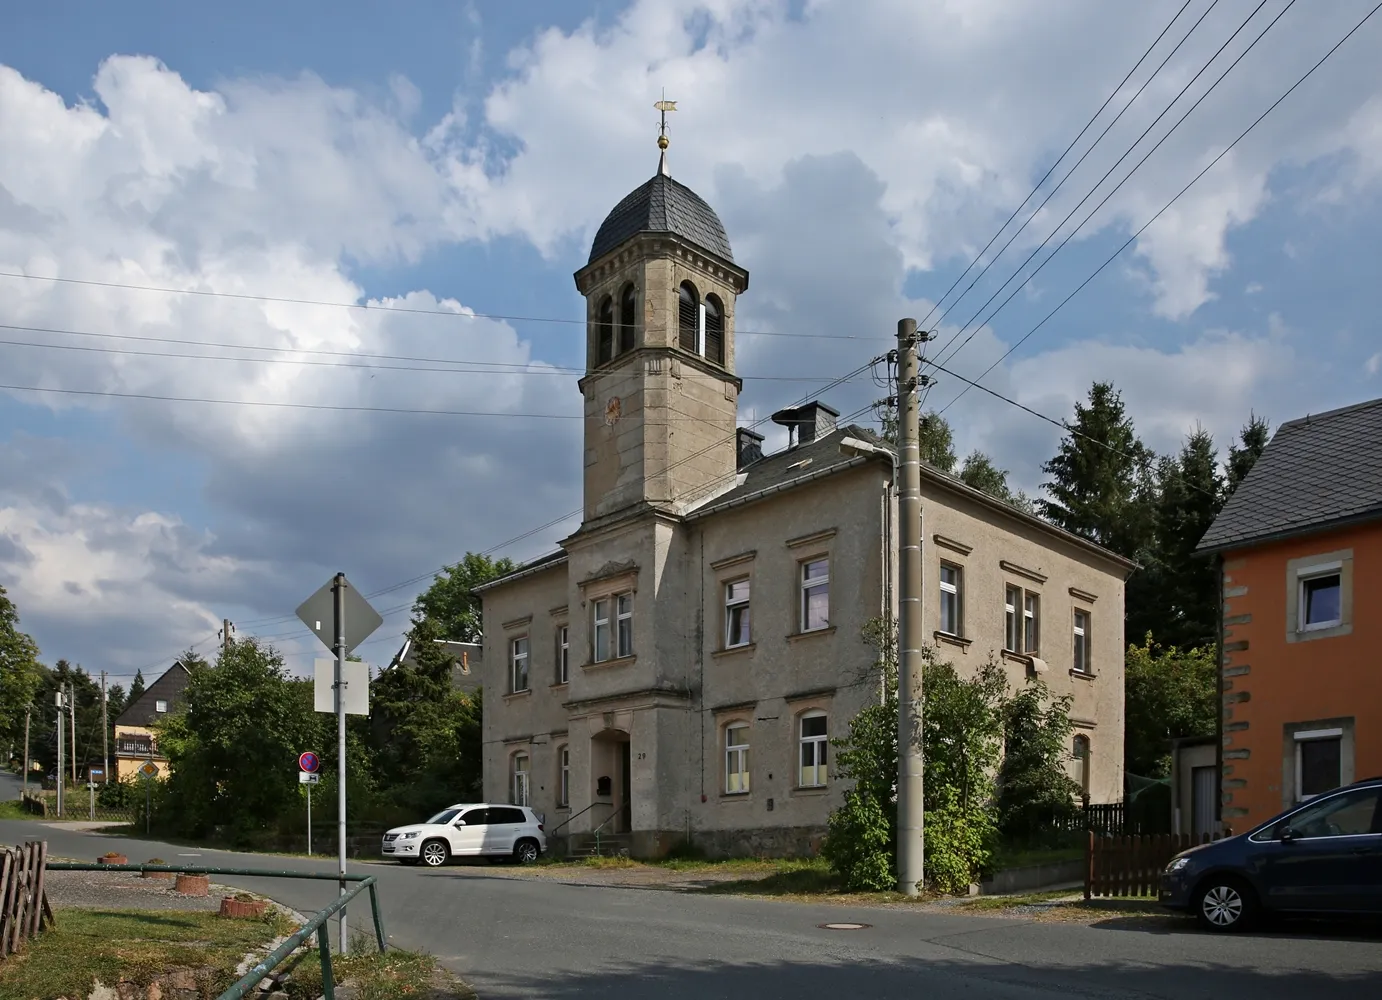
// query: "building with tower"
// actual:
[[676, 670]]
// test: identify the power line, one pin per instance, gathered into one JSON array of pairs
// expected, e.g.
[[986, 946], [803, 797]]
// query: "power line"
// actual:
[[1113, 93], [1051, 256], [368, 307], [1131, 239], [485, 367]]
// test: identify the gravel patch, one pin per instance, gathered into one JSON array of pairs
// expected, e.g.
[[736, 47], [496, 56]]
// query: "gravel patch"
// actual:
[[126, 891]]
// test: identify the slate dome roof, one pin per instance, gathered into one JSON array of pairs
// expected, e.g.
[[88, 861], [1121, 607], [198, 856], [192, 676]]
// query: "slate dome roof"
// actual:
[[663, 205]]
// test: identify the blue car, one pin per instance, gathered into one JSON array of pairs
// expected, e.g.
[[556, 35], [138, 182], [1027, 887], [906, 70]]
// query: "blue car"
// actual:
[[1323, 856]]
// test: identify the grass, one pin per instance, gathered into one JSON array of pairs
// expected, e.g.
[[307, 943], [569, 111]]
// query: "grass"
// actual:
[[88, 945], [11, 809], [372, 976]]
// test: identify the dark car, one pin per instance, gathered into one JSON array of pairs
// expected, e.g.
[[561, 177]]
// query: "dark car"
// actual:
[[1323, 856]]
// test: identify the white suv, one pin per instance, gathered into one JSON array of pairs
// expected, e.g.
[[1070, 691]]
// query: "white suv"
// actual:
[[469, 830]]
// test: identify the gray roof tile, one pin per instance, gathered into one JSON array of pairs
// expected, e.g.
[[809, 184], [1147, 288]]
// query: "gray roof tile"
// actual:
[[663, 205], [1317, 471]]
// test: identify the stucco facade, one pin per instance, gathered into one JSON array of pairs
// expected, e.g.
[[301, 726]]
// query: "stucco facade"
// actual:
[[677, 670]]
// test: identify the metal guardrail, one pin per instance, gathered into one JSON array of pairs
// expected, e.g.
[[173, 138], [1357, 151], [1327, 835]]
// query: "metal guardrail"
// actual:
[[316, 925]]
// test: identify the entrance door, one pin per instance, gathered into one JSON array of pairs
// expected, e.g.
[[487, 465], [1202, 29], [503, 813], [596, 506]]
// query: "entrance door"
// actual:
[[1202, 782], [625, 821]]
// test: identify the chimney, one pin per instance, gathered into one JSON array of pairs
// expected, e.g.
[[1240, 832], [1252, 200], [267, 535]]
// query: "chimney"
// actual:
[[748, 447], [808, 422]]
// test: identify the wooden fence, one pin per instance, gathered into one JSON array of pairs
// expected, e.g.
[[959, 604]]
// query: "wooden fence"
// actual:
[[24, 908], [1131, 866]]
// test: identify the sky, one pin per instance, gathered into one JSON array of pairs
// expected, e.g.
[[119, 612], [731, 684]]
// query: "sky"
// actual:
[[241, 247]]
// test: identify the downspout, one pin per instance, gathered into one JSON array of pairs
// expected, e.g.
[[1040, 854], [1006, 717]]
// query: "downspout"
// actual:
[[1219, 694]]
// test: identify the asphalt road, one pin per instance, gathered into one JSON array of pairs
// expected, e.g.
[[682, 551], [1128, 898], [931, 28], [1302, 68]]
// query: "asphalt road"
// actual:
[[516, 938]]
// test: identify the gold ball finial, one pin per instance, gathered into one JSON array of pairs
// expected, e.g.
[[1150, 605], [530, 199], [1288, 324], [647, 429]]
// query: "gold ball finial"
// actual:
[[662, 142]]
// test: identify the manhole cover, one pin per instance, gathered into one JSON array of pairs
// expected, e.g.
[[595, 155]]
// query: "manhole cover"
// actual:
[[843, 927]]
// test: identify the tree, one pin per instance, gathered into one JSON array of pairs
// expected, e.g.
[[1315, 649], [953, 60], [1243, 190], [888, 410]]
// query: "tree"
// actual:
[[1182, 608], [20, 674], [1242, 456], [1035, 794], [980, 473], [1101, 479], [1169, 693], [937, 442], [136, 688], [451, 601]]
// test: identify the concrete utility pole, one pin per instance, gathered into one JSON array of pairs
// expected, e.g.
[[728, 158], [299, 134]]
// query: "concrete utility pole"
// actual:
[[225, 633], [72, 724], [62, 776], [340, 592], [105, 734], [910, 819], [28, 710]]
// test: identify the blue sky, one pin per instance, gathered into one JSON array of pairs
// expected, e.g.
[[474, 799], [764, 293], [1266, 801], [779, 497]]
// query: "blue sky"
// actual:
[[459, 156]]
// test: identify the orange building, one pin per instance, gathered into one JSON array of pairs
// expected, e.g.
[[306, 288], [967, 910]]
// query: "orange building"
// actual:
[[1299, 546]]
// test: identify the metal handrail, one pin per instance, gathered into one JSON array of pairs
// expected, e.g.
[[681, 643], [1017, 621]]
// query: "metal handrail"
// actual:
[[574, 815], [275, 958], [608, 819]]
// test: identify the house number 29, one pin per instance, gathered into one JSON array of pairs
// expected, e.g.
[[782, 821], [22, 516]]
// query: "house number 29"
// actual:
[[642, 756]]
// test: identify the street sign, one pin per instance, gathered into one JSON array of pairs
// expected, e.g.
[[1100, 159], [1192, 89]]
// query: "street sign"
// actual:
[[308, 778], [318, 613], [308, 761], [356, 677], [96, 772], [148, 769]]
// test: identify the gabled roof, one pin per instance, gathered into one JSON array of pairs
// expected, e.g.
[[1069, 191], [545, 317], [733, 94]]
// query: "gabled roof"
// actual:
[[170, 687], [551, 560], [466, 659], [1318, 472], [663, 205]]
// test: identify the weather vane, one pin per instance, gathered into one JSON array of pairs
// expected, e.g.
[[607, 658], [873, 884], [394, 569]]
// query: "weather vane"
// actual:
[[664, 106]]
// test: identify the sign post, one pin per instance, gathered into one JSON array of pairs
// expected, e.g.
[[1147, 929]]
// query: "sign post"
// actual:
[[307, 775], [342, 619], [148, 771]]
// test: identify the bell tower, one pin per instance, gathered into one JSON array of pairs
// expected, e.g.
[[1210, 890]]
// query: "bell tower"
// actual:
[[661, 396]]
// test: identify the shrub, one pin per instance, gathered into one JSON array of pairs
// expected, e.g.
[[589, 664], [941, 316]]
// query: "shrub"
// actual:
[[859, 844], [959, 843]]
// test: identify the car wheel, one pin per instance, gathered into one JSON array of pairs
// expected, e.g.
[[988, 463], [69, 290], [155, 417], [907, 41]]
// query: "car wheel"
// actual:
[[435, 853], [525, 852], [1225, 904]]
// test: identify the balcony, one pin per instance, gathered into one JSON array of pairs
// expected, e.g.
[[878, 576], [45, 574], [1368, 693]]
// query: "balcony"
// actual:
[[136, 747]]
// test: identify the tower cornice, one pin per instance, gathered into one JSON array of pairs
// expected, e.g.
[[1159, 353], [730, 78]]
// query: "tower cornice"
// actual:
[[661, 246]]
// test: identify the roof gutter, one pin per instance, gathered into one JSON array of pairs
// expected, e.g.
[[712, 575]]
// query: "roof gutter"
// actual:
[[519, 574], [790, 484], [1247, 541]]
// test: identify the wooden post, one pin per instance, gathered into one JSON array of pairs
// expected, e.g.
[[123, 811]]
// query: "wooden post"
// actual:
[[40, 868], [1088, 863], [5, 879]]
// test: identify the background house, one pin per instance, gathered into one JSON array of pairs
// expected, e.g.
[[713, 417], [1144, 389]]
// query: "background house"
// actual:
[[1299, 545], [466, 661], [135, 740]]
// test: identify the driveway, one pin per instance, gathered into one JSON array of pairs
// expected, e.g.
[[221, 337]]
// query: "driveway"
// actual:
[[537, 938]]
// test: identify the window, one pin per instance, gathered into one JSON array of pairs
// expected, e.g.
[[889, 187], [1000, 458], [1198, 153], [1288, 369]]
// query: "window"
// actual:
[[604, 331], [951, 621], [1081, 642], [1320, 601], [601, 651], [814, 741], [815, 595], [628, 309], [564, 777], [521, 786], [738, 629], [500, 816], [1030, 620], [714, 330], [1319, 762], [1079, 751], [563, 653], [736, 759], [1347, 815], [688, 317], [518, 664], [1012, 638], [623, 609], [160, 705]]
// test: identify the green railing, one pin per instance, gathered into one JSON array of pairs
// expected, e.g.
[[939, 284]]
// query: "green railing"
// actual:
[[316, 925]]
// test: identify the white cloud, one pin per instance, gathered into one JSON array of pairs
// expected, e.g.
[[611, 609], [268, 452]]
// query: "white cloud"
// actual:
[[1374, 364]]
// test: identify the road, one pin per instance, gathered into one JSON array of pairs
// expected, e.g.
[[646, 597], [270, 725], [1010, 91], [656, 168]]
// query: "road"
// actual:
[[519, 938]]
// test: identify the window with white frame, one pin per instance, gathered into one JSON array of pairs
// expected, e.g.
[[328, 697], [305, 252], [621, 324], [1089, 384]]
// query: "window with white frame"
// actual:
[[815, 595], [603, 630], [563, 653], [736, 758], [952, 589], [1319, 762], [738, 629], [521, 784], [1012, 606], [564, 777], [814, 740], [1321, 597], [623, 612], [160, 705], [518, 664], [1080, 637], [1031, 623]]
